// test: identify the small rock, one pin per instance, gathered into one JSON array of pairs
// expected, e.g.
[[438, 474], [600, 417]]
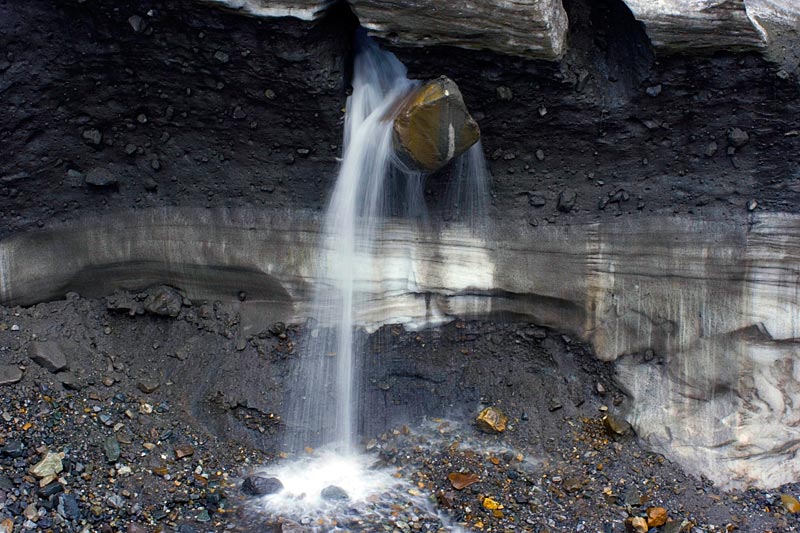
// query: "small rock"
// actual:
[[13, 448], [334, 493], [183, 450], [676, 526], [203, 516], [752, 205], [48, 354], [711, 149], [148, 386], [111, 449], [656, 516], [790, 503], [100, 177], [261, 486], [7, 526], [636, 524], [68, 507], [491, 505], [221, 56], [137, 23], [738, 137], [653, 91], [504, 93], [163, 300], [616, 425], [150, 184], [462, 480], [535, 200], [70, 381], [566, 200], [573, 484], [269, 94], [10, 374], [50, 465], [31, 512], [540, 154], [239, 113], [130, 149], [491, 420], [93, 137], [51, 489]]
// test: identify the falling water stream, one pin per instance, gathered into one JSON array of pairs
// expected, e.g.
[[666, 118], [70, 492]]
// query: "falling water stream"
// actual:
[[372, 187]]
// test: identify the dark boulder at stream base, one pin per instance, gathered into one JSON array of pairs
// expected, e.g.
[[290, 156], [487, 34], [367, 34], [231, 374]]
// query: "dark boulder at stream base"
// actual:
[[334, 493], [261, 486], [434, 126]]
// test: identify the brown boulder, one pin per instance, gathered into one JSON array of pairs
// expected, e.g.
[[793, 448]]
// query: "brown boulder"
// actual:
[[433, 126]]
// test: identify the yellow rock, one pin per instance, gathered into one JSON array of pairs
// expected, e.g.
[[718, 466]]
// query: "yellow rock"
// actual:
[[656, 516], [491, 420], [491, 505], [636, 524], [790, 503], [433, 125], [50, 465]]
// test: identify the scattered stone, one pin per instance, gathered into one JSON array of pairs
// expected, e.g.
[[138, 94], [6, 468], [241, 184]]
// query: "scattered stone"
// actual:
[[462, 480], [239, 113], [221, 56], [13, 448], [738, 137], [183, 450], [68, 507], [617, 197], [261, 486], [654, 90], [656, 516], [636, 524], [566, 200], [50, 465], [573, 484], [141, 118], [137, 23], [677, 526], [48, 354], [504, 93], [491, 505], [616, 425], [711, 149], [150, 184], [111, 449], [70, 381], [334, 493], [491, 420], [148, 386], [540, 154], [536, 200], [10, 374], [542, 110], [31, 512], [100, 177], [93, 137], [752, 205], [49, 490], [790, 503], [7, 526], [269, 94], [163, 300], [130, 149]]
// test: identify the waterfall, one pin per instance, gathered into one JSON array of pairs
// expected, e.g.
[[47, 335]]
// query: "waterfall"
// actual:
[[372, 186]]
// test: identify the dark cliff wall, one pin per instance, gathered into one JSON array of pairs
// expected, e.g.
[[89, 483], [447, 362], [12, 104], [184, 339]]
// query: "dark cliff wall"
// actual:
[[178, 103]]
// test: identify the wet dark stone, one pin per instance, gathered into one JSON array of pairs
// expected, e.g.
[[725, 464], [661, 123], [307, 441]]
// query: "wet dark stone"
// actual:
[[50, 490], [334, 493], [261, 486], [13, 448], [68, 507]]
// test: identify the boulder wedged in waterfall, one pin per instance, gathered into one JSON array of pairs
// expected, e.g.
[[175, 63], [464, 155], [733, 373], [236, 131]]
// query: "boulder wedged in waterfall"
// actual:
[[433, 125]]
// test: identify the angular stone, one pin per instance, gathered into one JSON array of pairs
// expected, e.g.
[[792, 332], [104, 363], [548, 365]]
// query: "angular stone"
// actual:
[[433, 125], [101, 177], [261, 486], [462, 480], [636, 524], [7, 526], [491, 420], [163, 300], [616, 425], [183, 450], [527, 28], [656, 516], [737, 137], [790, 503], [10, 374], [50, 465], [48, 354], [148, 386], [697, 25], [111, 449]]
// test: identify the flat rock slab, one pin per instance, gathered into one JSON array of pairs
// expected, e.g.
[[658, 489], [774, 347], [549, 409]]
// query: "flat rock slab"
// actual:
[[10, 374], [48, 354]]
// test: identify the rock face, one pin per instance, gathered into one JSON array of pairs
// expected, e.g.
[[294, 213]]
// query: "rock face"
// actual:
[[301, 9], [433, 125], [697, 314], [528, 28], [693, 25]]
